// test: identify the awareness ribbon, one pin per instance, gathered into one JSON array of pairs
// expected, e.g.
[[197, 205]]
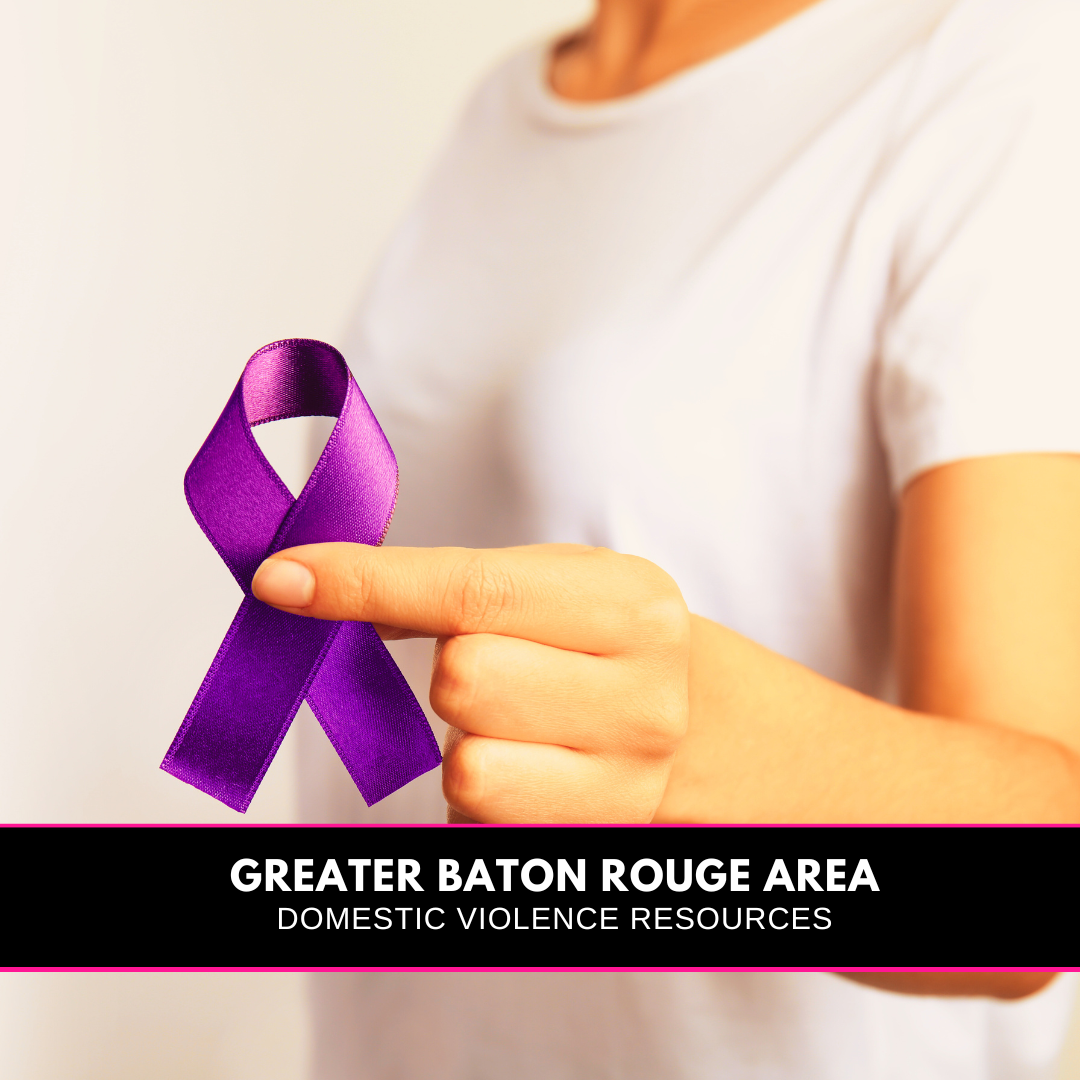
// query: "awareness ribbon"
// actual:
[[271, 660]]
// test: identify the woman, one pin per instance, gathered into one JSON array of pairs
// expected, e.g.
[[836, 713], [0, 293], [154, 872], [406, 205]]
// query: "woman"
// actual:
[[775, 296]]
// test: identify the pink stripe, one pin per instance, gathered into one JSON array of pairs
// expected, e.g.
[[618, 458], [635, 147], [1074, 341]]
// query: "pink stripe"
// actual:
[[832, 970]]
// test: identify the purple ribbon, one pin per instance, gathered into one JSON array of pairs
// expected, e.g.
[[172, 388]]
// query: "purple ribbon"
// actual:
[[270, 660]]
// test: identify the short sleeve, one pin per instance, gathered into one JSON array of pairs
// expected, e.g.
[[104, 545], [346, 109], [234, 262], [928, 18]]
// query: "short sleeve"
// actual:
[[980, 343]]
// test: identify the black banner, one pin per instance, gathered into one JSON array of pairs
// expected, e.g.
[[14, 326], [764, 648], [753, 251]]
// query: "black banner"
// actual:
[[533, 897]]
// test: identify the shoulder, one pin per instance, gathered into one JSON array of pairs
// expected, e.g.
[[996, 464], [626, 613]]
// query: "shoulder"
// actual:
[[992, 111], [1020, 50], [977, 204], [503, 93]]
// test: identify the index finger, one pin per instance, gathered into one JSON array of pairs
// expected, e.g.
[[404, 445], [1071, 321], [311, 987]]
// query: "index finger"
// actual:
[[565, 595]]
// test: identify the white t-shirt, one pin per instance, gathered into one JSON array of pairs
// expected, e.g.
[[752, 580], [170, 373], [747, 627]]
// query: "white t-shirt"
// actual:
[[720, 324]]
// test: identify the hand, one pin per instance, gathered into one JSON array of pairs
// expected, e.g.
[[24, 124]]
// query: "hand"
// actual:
[[561, 670]]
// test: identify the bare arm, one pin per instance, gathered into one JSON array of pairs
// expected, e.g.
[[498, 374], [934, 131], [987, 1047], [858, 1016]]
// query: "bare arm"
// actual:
[[987, 638], [987, 632], [1005, 985]]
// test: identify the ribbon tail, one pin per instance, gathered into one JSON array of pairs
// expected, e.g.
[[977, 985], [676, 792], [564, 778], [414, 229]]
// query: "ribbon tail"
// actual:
[[370, 714], [247, 701]]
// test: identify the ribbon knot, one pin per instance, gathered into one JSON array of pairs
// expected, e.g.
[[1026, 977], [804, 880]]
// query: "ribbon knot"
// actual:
[[271, 660]]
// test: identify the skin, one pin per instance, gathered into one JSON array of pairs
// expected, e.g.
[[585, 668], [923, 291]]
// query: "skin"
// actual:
[[579, 688], [629, 45], [986, 605]]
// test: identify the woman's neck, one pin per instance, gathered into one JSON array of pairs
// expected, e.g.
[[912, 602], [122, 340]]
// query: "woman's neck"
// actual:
[[631, 44]]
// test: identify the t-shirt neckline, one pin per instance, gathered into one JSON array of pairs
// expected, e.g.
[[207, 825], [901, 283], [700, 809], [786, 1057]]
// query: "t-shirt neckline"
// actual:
[[554, 109]]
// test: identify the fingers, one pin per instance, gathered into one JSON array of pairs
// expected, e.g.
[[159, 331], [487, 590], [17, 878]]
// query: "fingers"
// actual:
[[509, 688], [497, 780], [561, 669], [564, 595]]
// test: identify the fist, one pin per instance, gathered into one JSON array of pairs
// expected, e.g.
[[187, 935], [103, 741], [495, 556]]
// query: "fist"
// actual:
[[561, 669]]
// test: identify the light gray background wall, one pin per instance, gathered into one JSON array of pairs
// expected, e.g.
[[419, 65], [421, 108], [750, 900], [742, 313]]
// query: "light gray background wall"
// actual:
[[181, 183]]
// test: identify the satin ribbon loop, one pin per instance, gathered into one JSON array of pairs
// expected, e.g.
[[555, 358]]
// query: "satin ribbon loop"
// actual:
[[270, 660]]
